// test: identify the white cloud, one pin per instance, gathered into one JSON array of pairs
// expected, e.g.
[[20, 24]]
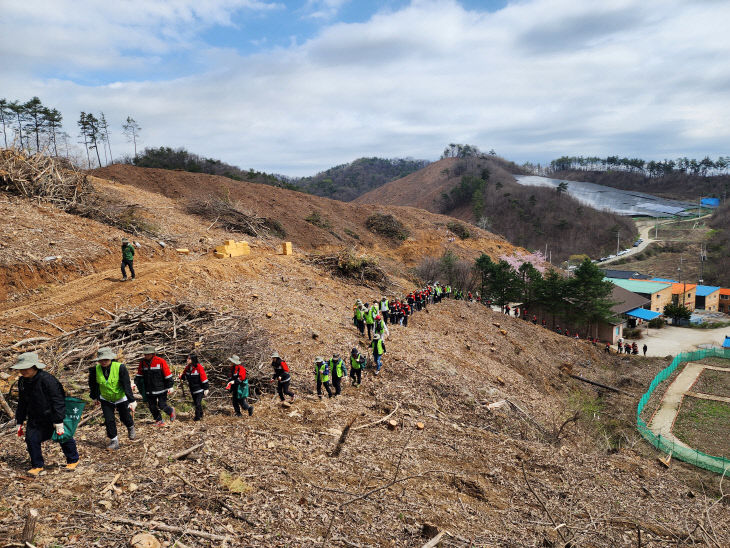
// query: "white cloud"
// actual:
[[536, 80], [323, 9]]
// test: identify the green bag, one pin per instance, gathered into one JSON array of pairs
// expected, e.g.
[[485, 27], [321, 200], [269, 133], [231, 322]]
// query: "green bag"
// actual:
[[74, 408], [243, 390], [139, 381]]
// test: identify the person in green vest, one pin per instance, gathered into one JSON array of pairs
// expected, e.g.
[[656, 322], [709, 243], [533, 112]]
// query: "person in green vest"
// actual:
[[358, 316], [338, 369], [127, 259], [357, 364], [110, 386], [378, 347], [322, 373], [372, 311]]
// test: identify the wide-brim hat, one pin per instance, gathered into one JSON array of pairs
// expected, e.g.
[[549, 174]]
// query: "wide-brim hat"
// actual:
[[28, 360], [319, 359], [376, 336], [148, 349], [125, 240], [235, 360], [105, 353], [275, 355]]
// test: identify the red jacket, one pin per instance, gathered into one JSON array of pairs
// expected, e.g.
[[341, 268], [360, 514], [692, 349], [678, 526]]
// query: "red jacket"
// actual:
[[196, 377], [156, 375], [238, 374]]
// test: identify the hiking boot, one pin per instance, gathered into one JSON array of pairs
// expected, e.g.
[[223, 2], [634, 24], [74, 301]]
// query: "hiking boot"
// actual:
[[131, 433], [238, 414], [113, 445], [35, 471], [124, 279], [160, 423], [250, 410], [291, 398], [173, 415], [71, 466]]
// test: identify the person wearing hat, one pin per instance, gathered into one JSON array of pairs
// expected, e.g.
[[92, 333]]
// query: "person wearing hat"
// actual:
[[41, 400], [322, 373], [109, 385], [127, 259], [197, 382], [378, 347], [339, 370], [380, 327], [357, 364], [358, 316], [385, 308], [370, 313], [282, 376], [154, 373], [238, 385]]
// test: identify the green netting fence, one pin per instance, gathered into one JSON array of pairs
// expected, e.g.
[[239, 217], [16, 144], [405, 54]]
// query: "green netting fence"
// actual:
[[668, 445]]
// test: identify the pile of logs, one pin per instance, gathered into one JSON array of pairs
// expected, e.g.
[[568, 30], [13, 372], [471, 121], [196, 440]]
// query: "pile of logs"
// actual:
[[42, 177]]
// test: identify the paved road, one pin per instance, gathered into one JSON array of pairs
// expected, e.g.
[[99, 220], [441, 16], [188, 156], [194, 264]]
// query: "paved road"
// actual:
[[670, 340]]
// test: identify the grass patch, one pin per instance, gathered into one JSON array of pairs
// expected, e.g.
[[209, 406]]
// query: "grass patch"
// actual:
[[713, 382], [351, 233], [387, 225], [317, 219], [702, 424]]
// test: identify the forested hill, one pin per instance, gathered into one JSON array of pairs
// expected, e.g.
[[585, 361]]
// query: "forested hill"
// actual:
[[348, 181], [717, 270]]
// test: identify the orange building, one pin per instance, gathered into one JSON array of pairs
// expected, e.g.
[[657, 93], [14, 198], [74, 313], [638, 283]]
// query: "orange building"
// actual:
[[684, 294], [724, 300]]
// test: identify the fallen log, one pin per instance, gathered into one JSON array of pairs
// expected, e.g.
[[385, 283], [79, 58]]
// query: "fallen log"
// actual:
[[385, 418], [604, 386], [158, 526]]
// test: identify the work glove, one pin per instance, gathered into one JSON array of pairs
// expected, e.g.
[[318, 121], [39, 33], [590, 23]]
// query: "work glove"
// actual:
[[59, 428], [21, 433], [133, 406], [171, 391], [228, 386], [205, 392], [97, 402], [134, 388]]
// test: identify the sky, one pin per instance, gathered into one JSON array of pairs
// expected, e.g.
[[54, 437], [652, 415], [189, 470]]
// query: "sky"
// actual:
[[295, 87]]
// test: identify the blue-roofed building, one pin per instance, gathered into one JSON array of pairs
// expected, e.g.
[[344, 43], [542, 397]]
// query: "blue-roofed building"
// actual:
[[726, 343], [710, 202], [707, 297]]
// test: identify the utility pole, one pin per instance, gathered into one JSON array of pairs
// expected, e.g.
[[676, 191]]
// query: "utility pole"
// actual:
[[684, 284], [618, 237], [703, 258]]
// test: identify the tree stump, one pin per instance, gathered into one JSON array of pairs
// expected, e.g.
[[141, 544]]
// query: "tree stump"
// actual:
[[31, 519]]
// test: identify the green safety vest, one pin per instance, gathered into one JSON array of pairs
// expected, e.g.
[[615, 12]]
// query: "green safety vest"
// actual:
[[370, 315], [377, 346], [109, 389], [319, 370], [387, 305], [336, 368], [354, 361], [358, 313]]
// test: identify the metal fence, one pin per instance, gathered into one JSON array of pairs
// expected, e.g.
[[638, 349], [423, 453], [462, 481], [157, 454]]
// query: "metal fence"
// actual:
[[668, 445]]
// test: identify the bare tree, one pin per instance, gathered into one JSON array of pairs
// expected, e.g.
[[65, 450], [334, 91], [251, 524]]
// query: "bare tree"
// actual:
[[131, 129], [104, 127], [5, 112]]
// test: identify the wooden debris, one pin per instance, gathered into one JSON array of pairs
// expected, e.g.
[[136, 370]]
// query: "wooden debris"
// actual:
[[420, 426], [31, 519], [186, 452], [378, 421], [392, 424]]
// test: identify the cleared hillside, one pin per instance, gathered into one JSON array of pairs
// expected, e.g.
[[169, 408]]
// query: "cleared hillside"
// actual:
[[530, 217]]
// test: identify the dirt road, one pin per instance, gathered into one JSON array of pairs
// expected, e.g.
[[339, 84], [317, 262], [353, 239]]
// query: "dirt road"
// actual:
[[671, 340]]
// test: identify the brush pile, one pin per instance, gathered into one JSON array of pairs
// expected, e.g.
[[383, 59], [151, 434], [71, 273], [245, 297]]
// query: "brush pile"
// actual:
[[233, 218], [42, 177], [347, 264], [175, 329]]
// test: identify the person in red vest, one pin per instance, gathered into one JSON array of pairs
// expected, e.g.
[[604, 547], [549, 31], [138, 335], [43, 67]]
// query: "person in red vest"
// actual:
[[282, 376], [155, 376], [238, 385], [197, 382]]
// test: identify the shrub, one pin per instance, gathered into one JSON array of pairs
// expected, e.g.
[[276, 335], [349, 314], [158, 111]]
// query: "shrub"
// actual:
[[459, 229], [387, 225], [632, 333], [657, 323], [351, 233], [317, 219]]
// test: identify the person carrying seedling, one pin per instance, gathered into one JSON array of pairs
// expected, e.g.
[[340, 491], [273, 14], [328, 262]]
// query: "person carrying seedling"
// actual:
[[238, 385], [197, 382], [322, 374], [338, 369], [127, 259], [282, 376], [378, 347], [109, 385], [155, 377], [41, 400], [357, 364]]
